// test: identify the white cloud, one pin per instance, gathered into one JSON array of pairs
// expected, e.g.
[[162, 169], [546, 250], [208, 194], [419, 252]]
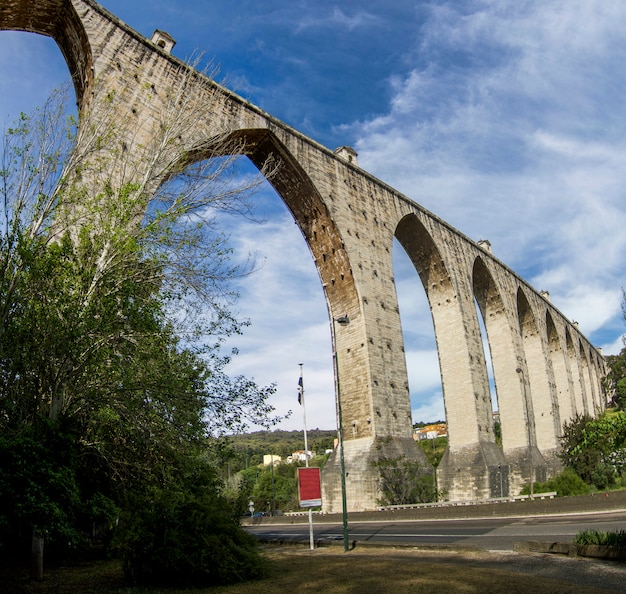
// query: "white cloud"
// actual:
[[592, 307], [423, 371], [337, 18], [430, 409], [285, 302], [509, 124], [615, 347]]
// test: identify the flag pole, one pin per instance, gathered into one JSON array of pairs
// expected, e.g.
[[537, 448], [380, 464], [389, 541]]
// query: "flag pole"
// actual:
[[301, 400], [306, 448]]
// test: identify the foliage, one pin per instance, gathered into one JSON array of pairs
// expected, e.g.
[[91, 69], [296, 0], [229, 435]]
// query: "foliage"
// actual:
[[39, 489], [114, 303], [565, 484], [248, 448], [185, 537], [434, 449], [497, 432], [276, 488], [420, 424], [601, 538], [620, 391], [615, 380], [404, 481], [595, 449]]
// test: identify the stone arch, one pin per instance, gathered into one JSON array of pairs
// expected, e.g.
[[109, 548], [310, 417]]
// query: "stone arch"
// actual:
[[59, 20], [472, 459], [432, 270], [544, 408], [597, 372], [562, 380], [585, 377], [596, 390], [580, 406], [504, 357], [309, 211]]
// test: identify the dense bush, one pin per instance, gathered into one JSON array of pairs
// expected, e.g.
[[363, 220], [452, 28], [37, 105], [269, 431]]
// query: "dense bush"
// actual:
[[565, 484], [595, 448], [186, 539]]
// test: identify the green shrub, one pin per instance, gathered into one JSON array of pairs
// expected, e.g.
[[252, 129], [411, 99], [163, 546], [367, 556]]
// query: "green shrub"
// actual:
[[186, 539], [598, 537], [565, 484]]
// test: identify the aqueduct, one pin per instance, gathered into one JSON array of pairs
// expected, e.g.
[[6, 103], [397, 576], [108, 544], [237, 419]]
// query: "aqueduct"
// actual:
[[545, 371]]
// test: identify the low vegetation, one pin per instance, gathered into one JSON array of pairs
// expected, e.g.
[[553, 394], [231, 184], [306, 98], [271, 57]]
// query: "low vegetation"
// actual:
[[434, 449], [565, 484], [600, 538]]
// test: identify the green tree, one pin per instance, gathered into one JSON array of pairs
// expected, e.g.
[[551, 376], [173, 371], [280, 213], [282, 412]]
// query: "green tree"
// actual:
[[405, 482], [596, 448], [434, 449], [38, 485], [183, 532], [278, 486], [111, 323], [565, 484]]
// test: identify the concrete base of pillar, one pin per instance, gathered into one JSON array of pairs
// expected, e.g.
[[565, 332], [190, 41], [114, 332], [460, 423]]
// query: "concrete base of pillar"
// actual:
[[522, 467], [553, 463], [479, 471], [362, 476]]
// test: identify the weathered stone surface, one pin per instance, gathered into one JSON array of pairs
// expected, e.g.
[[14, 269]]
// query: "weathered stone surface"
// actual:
[[545, 370]]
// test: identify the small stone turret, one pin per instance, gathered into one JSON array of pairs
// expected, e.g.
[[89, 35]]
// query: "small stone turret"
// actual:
[[347, 153], [164, 40]]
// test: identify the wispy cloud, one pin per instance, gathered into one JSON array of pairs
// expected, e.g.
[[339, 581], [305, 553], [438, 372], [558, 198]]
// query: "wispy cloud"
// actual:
[[337, 18], [509, 124]]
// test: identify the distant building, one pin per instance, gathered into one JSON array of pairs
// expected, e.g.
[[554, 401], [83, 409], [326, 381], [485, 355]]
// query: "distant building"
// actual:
[[431, 431], [300, 456], [271, 459]]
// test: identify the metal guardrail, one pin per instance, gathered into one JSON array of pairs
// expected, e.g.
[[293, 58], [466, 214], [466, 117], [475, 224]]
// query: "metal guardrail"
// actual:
[[550, 495]]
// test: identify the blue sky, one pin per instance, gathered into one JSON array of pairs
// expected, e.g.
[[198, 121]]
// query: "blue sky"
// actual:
[[507, 119]]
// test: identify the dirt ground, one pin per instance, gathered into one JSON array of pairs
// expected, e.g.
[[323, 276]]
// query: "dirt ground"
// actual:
[[372, 570]]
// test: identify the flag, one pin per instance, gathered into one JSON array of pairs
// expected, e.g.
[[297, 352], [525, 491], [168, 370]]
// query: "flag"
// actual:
[[300, 390]]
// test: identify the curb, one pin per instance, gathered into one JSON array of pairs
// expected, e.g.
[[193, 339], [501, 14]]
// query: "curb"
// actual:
[[572, 550], [364, 544]]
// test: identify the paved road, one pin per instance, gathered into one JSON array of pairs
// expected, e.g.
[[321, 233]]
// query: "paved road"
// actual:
[[485, 531]]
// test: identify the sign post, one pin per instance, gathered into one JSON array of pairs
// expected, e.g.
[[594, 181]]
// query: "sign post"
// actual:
[[309, 487], [309, 481]]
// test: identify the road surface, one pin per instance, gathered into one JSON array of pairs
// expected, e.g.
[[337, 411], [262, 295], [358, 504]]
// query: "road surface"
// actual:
[[486, 533]]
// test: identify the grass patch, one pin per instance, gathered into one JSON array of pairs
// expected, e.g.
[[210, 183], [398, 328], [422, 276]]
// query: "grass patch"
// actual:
[[294, 569], [605, 539]]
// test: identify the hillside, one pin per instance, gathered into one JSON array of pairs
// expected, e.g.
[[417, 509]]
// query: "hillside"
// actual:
[[250, 447]]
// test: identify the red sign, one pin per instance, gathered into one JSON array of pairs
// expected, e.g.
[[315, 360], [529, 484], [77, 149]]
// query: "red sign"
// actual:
[[309, 487]]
